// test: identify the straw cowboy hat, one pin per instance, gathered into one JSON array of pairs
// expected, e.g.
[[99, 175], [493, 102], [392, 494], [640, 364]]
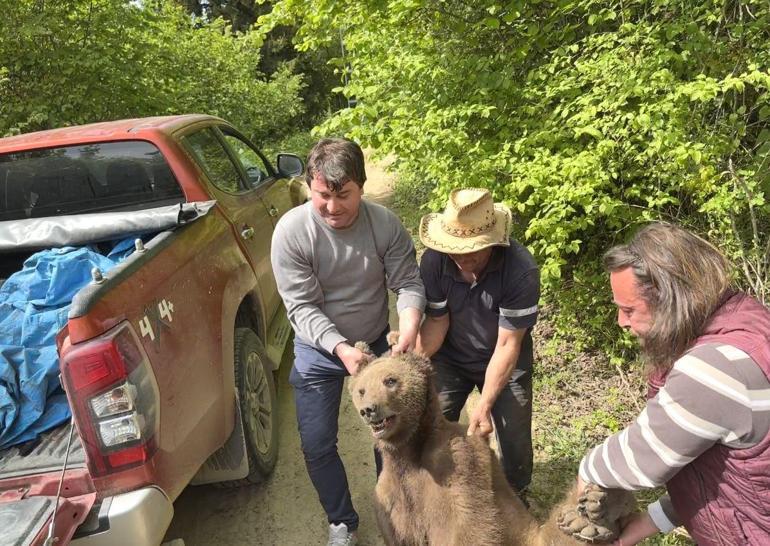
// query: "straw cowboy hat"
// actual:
[[471, 221]]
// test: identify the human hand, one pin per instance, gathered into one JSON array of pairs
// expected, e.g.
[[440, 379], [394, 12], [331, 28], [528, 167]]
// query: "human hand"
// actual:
[[351, 357], [480, 421], [405, 342], [636, 528], [408, 328]]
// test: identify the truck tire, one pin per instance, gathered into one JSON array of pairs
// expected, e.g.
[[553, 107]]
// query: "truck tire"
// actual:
[[256, 393]]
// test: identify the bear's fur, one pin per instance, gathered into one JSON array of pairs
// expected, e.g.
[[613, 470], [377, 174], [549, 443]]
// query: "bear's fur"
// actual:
[[438, 486]]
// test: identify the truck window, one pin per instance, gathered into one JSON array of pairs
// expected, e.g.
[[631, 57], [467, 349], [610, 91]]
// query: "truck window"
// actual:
[[253, 165], [85, 178], [211, 156]]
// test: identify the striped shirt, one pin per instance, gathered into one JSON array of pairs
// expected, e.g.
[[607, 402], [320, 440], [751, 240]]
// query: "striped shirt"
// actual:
[[714, 394]]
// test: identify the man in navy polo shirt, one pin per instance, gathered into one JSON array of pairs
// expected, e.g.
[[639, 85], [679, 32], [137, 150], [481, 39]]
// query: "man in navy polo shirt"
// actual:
[[482, 289]]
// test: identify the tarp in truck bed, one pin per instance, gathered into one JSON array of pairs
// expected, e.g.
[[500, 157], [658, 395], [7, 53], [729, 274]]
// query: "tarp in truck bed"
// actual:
[[33, 308], [80, 229]]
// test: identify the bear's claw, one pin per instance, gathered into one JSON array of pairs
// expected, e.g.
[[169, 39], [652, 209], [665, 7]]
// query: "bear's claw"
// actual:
[[596, 518]]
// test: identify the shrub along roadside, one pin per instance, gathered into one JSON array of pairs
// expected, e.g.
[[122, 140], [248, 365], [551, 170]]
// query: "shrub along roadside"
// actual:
[[80, 61], [299, 142]]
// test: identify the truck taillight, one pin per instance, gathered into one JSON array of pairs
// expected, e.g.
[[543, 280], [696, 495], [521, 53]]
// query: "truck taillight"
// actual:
[[120, 430], [115, 401], [112, 391]]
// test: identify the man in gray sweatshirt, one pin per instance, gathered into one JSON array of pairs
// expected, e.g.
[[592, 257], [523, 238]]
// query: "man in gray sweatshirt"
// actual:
[[334, 259]]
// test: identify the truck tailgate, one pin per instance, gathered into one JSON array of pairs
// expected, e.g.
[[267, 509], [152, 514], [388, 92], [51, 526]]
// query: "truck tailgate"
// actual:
[[25, 521]]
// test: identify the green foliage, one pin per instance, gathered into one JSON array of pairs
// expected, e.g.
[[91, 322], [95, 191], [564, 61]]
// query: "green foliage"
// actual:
[[409, 192], [78, 61], [588, 118], [298, 143], [319, 76], [240, 14]]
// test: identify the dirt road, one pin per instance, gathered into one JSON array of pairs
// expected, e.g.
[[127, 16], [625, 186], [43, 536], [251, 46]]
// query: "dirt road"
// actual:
[[285, 509]]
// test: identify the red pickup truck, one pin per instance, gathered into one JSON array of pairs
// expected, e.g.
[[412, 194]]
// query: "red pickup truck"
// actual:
[[167, 359]]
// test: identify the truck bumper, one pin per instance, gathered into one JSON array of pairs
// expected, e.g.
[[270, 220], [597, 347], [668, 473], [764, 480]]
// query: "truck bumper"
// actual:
[[138, 518]]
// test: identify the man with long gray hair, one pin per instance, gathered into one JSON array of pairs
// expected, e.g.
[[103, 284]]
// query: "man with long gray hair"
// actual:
[[705, 431]]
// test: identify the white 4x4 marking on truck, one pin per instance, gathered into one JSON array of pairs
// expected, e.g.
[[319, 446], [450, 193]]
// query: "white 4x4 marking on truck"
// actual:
[[161, 315]]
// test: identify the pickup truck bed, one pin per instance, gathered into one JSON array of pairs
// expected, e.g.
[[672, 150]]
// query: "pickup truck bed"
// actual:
[[46, 454]]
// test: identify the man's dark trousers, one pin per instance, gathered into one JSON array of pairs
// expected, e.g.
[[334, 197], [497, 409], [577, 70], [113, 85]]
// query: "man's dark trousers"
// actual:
[[317, 378], [511, 413]]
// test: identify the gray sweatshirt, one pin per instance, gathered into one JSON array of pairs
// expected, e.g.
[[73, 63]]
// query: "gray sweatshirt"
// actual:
[[334, 281]]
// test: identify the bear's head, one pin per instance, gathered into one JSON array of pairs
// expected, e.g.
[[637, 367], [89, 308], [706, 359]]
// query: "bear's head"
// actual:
[[391, 394]]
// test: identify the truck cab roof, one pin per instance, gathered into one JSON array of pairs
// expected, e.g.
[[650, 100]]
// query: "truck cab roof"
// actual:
[[125, 129]]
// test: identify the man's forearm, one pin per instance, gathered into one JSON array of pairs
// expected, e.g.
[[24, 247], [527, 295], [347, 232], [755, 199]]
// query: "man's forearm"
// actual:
[[312, 324], [663, 514], [302, 295], [432, 334], [409, 324], [501, 367], [409, 321]]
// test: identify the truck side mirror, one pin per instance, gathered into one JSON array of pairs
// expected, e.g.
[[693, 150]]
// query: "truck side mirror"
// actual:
[[290, 165]]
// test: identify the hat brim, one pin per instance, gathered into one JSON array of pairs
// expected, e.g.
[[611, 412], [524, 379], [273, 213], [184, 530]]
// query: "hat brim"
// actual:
[[433, 236]]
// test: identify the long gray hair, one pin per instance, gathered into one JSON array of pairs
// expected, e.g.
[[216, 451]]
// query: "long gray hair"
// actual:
[[682, 278]]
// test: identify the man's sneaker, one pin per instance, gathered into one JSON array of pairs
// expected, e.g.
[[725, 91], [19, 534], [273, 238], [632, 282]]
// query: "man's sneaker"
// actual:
[[339, 535]]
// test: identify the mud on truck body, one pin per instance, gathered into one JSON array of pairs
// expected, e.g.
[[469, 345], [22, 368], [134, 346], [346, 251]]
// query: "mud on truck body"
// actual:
[[166, 359]]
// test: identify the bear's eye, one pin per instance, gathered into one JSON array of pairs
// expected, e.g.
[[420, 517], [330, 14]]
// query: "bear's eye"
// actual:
[[390, 382], [361, 392]]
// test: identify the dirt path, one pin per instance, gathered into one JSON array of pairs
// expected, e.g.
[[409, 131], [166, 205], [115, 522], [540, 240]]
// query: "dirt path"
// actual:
[[285, 509]]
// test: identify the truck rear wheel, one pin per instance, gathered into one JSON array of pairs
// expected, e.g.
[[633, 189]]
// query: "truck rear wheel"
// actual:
[[256, 393]]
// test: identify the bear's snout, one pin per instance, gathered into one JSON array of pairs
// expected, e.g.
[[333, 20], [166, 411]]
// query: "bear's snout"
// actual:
[[369, 411]]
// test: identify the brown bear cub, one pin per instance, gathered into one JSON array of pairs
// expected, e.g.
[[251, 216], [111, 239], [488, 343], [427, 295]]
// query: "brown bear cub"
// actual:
[[439, 486]]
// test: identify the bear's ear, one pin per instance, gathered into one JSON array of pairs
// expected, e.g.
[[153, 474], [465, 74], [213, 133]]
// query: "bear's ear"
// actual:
[[392, 337], [368, 355], [362, 364], [363, 346]]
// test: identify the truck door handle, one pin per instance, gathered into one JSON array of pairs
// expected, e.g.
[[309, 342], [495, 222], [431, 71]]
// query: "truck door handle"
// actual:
[[247, 232], [273, 211]]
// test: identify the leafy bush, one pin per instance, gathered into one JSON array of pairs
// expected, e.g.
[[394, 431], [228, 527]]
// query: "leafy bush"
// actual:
[[588, 118], [299, 142], [78, 61]]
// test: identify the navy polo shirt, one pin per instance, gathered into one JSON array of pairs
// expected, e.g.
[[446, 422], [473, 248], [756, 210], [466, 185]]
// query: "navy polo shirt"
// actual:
[[504, 296]]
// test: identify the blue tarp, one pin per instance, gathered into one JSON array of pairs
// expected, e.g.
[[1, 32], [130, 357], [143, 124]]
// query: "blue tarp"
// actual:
[[34, 303]]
